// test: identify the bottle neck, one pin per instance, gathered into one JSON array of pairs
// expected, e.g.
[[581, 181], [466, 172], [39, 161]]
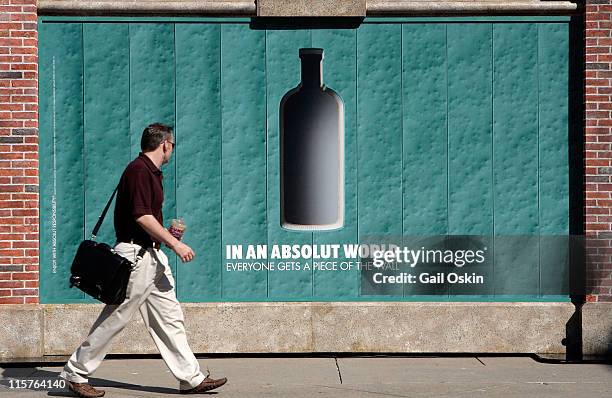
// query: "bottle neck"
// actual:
[[312, 76]]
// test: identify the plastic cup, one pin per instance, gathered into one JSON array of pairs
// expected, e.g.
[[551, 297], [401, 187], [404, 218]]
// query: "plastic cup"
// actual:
[[177, 228]]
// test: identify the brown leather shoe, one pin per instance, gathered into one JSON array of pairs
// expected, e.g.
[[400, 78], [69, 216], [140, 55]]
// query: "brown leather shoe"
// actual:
[[84, 390], [206, 385]]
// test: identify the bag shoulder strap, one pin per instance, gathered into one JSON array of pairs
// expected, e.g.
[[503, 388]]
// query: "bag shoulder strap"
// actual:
[[101, 218]]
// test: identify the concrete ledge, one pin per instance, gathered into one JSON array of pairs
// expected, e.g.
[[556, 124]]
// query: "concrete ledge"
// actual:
[[469, 7], [597, 329], [21, 329], [311, 8], [67, 325], [176, 7], [403, 327], [441, 327], [246, 8]]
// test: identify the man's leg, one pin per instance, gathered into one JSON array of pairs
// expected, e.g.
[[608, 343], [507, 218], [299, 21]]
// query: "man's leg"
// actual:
[[163, 317], [113, 318]]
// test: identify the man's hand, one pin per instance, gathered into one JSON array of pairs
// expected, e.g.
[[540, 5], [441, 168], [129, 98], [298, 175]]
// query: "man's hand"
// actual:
[[183, 251], [161, 234]]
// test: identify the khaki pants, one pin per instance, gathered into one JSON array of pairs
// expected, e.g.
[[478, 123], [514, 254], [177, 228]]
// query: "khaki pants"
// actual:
[[151, 291]]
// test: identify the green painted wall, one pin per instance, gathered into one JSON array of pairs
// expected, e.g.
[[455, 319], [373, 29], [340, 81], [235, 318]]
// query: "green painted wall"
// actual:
[[451, 127]]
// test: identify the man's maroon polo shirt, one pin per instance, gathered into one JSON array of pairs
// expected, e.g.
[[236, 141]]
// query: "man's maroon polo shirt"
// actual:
[[140, 192]]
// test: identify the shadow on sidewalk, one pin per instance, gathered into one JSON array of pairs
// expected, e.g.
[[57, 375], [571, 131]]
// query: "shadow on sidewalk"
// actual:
[[34, 373]]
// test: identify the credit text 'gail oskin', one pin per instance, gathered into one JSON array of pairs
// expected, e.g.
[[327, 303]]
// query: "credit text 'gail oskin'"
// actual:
[[427, 278]]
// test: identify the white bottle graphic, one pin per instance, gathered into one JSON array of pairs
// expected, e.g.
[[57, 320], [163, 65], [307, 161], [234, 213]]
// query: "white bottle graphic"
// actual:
[[311, 151]]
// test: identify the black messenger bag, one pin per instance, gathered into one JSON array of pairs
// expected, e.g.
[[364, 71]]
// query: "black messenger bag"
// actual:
[[98, 270]]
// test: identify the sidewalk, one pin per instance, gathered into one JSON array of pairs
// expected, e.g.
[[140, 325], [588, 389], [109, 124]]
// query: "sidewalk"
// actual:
[[340, 377]]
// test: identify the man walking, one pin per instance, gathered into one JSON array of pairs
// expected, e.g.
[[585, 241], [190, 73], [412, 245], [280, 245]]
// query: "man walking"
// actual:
[[139, 223]]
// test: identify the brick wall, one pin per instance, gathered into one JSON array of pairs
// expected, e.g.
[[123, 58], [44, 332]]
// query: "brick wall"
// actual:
[[598, 148], [18, 152]]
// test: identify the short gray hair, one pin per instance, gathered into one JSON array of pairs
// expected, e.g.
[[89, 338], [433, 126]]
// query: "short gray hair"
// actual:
[[153, 135]]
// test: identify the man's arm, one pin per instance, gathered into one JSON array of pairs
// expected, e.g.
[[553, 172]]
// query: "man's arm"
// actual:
[[158, 232]]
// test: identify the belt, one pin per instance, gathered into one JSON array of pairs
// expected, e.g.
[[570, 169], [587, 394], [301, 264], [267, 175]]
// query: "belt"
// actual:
[[146, 245]]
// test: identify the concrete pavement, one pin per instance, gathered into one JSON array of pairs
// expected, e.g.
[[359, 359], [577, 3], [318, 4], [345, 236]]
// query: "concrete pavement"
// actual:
[[336, 377]]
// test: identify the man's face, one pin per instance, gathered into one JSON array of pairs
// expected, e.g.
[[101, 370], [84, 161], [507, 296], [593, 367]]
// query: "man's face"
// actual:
[[168, 148]]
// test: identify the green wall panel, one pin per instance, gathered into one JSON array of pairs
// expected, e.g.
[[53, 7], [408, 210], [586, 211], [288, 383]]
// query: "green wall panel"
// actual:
[[243, 121], [424, 93], [515, 158], [339, 73], [425, 162], [456, 128], [470, 166], [469, 128], [106, 119], [45, 172], [61, 158], [152, 98], [553, 130], [379, 127], [198, 160], [379, 135], [282, 75], [515, 128], [553, 154]]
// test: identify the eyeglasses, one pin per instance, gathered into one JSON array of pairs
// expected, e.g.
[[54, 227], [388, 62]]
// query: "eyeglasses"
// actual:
[[170, 142]]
